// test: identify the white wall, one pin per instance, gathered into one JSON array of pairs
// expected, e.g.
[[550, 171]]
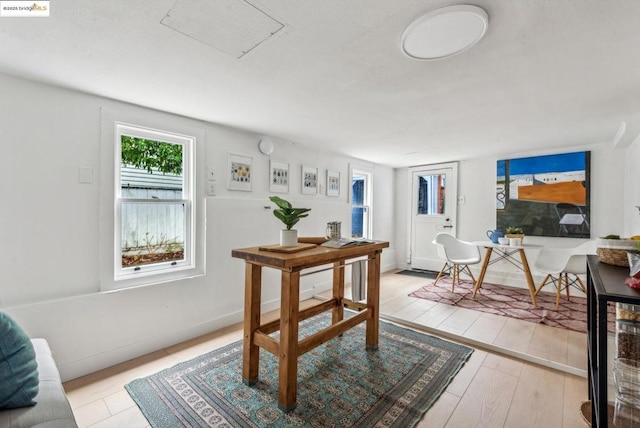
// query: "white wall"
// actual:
[[52, 229], [632, 190], [476, 182]]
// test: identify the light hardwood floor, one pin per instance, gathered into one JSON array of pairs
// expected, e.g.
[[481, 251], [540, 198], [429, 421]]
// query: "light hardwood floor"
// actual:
[[499, 386]]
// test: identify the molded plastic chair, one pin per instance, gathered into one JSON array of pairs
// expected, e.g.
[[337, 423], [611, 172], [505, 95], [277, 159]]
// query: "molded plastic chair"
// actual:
[[559, 263], [459, 255]]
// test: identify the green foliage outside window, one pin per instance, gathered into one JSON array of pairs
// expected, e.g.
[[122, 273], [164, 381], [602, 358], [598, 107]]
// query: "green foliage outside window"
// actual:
[[150, 155]]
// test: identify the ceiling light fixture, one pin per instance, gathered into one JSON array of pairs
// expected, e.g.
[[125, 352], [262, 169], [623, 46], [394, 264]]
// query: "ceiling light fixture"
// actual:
[[444, 32]]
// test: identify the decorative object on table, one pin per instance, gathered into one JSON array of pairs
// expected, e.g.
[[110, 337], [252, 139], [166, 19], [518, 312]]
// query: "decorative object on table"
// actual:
[[515, 235], [309, 180], [333, 183], [547, 195], [288, 215], [513, 302], [503, 241], [351, 388], [612, 249], [239, 172], [279, 177], [346, 242], [514, 232], [634, 268], [495, 235], [333, 230]]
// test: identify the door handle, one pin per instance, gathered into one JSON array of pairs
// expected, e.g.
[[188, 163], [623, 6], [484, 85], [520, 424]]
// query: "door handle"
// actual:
[[448, 226]]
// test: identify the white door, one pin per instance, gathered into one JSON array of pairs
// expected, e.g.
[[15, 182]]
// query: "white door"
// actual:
[[434, 197]]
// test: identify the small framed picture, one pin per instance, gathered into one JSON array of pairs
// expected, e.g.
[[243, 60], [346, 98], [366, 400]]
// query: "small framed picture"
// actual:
[[239, 172], [279, 177], [333, 183], [309, 180]]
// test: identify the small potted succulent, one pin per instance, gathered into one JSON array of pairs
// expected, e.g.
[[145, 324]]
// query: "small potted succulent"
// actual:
[[289, 216]]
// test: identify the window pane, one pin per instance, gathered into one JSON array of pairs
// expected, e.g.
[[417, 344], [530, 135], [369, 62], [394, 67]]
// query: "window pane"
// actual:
[[152, 233], [357, 222], [431, 190], [358, 191], [151, 169]]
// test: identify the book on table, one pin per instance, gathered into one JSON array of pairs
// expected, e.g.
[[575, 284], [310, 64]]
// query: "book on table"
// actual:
[[346, 242]]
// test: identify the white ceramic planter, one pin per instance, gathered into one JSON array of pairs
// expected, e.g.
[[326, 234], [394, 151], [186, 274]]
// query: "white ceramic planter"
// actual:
[[288, 238]]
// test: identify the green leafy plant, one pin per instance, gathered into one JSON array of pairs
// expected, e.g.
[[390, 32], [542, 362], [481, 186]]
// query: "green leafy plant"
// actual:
[[150, 155], [286, 213], [514, 230]]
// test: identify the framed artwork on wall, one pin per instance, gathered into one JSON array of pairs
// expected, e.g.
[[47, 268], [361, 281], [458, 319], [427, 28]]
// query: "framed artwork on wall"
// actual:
[[279, 177], [309, 180], [239, 172], [333, 183], [545, 195]]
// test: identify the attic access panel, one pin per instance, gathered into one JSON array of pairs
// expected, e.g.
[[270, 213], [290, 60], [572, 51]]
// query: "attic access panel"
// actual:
[[234, 27]]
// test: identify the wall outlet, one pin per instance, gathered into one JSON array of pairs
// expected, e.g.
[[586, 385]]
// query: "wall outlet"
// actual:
[[85, 175], [461, 199]]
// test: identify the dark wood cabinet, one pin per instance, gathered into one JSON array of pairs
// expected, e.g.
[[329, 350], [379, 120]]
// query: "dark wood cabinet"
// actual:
[[605, 284]]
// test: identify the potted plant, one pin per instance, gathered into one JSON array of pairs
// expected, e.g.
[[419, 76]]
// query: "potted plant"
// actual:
[[514, 232], [288, 215]]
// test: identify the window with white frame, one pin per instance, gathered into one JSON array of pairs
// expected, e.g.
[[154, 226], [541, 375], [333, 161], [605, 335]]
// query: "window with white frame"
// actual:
[[360, 204], [154, 202]]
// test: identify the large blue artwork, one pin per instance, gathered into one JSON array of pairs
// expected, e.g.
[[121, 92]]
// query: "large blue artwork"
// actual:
[[545, 195]]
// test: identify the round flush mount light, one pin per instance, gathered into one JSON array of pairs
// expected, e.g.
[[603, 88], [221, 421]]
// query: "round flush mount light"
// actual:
[[265, 146], [444, 32]]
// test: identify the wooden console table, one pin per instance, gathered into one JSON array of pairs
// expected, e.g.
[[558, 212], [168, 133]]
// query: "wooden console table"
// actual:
[[288, 348]]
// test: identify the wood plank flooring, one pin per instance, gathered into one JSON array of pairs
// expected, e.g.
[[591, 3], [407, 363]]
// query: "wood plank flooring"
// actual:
[[499, 386]]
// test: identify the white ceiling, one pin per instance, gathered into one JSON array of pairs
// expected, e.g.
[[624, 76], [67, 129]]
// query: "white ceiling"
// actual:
[[548, 73]]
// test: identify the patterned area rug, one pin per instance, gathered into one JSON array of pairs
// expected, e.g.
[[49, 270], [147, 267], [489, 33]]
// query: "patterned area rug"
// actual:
[[513, 302], [340, 384]]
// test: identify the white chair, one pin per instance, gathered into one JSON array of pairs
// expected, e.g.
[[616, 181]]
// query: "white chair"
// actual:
[[459, 255], [559, 263]]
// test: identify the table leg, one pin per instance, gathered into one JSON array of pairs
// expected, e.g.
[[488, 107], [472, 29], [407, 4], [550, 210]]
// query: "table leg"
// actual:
[[373, 300], [338, 292], [527, 274], [601, 337], [288, 370], [250, 351], [483, 270]]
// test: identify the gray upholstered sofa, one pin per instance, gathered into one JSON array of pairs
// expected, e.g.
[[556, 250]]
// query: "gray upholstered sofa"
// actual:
[[52, 409]]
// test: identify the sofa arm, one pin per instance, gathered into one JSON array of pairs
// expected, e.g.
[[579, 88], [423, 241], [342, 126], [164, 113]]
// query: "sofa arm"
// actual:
[[52, 409]]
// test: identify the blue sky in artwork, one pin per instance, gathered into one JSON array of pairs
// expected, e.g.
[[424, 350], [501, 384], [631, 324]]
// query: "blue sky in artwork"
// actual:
[[540, 164]]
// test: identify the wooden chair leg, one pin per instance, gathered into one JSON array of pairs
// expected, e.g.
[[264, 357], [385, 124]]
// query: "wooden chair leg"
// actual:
[[542, 284], [466, 268], [584, 289], [566, 285], [456, 275], [558, 291], [444, 267]]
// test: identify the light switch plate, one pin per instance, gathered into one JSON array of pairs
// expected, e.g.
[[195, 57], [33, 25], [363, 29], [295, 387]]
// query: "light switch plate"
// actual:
[[211, 188]]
